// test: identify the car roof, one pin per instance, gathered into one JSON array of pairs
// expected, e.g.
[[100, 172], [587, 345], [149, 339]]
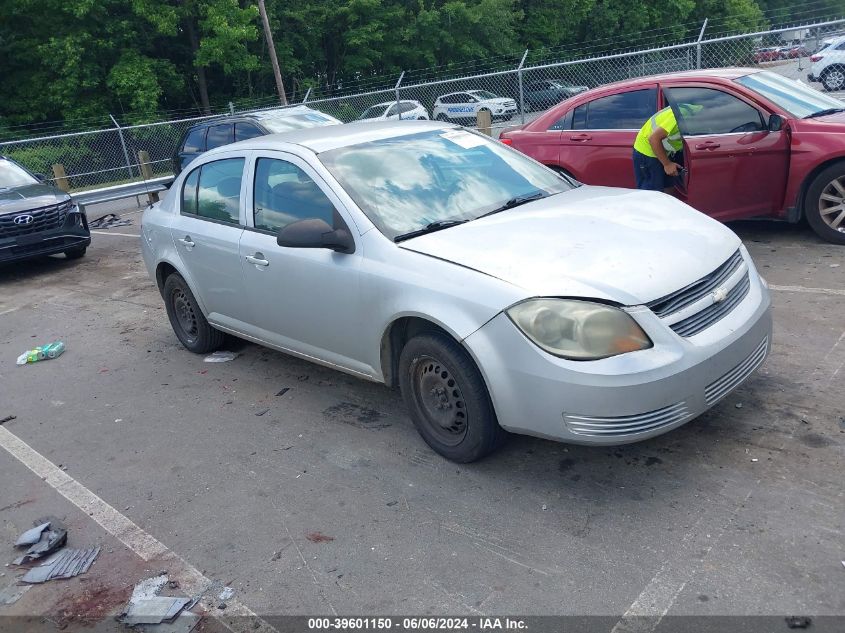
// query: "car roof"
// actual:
[[712, 73], [384, 103], [280, 112], [322, 139]]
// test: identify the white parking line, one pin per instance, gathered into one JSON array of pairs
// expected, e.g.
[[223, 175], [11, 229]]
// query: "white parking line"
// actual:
[[190, 579], [819, 291], [113, 233]]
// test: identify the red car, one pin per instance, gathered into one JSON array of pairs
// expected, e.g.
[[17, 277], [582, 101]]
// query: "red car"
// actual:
[[768, 55], [761, 145]]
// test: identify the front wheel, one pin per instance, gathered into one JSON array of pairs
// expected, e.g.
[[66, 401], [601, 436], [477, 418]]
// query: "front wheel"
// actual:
[[447, 398], [833, 78], [442, 117], [188, 322], [824, 205]]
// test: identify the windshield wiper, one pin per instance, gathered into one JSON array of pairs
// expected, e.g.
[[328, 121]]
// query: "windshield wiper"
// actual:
[[824, 112], [515, 202], [439, 225]]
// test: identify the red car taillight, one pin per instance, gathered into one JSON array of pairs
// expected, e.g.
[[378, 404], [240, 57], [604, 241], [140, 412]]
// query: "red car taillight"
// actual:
[[816, 58], [506, 141]]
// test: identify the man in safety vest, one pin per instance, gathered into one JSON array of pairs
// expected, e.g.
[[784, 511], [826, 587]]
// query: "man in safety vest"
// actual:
[[657, 143]]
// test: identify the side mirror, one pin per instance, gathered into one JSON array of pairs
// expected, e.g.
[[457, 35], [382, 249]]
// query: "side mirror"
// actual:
[[316, 233], [40, 177], [775, 123]]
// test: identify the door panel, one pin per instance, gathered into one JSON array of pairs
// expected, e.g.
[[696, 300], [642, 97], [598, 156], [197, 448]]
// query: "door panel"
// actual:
[[303, 300], [737, 168], [208, 244]]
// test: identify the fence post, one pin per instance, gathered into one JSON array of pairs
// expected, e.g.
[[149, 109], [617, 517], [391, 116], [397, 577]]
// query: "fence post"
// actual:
[[61, 177], [231, 108], [123, 144], [307, 94], [698, 44], [521, 92], [484, 120], [147, 172], [396, 88]]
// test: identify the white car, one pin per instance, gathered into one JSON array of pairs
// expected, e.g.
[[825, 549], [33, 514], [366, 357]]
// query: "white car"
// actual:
[[829, 65], [497, 294], [460, 106], [406, 110]]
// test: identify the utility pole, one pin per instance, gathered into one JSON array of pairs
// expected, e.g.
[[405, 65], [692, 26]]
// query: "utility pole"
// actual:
[[280, 87]]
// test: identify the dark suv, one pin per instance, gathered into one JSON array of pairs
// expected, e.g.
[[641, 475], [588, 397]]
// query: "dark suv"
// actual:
[[216, 132], [37, 219]]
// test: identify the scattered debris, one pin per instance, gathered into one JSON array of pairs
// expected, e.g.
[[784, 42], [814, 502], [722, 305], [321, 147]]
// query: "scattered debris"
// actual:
[[545, 507], [260, 413], [283, 391], [8, 418], [754, 459], [51, 538], [318, 537], [798, 621], [391, 503], [65, 564], [147, 607], [302, 378], [222, 605], [12, 593], [220, 357], [738, 405], [44, 352], [226, 594], [108, 221], [32, 536]]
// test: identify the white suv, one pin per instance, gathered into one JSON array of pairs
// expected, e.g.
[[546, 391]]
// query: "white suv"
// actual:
[[406, 110], [461, 106], [829, 65]]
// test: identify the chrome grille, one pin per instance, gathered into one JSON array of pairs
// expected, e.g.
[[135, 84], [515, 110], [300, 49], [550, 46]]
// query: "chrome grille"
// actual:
[[626, 424], [44, 219], [684, 297], [718, 389], [712, 313]]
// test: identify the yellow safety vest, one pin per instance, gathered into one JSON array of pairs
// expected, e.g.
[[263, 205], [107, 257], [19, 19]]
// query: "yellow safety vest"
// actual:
[[665, 119]]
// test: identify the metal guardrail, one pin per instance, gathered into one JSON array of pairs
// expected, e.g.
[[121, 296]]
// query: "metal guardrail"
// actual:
[[118, 192]]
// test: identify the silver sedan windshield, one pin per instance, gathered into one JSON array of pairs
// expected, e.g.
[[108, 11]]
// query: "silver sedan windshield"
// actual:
[[406, 183]]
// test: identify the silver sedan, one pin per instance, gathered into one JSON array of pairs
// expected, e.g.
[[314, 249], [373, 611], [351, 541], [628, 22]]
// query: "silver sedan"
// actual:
[[496, 294]]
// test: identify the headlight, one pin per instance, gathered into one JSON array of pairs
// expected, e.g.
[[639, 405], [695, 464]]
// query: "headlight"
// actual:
[[578, 330]]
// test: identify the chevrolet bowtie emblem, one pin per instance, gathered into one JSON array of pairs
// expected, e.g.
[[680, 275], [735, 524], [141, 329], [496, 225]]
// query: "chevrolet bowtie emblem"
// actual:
[[720, 294]]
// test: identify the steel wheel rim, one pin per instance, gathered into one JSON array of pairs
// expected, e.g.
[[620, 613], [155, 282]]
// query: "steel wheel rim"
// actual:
[[183, 309], [832, 204], [440, 400]]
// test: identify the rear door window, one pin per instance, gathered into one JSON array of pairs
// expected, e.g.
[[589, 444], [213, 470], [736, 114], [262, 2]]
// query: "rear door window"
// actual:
[[622, 111], [220, 135], [195, 141], [213, 191]]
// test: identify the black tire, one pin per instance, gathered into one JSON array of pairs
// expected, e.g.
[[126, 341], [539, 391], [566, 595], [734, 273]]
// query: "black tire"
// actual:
[[833, 78], [186, 318], [442, 117], [76, 253], [825, 183], [447, 398]]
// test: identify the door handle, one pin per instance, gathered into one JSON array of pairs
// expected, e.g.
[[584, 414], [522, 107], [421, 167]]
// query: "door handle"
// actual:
[[187, 241], [708, 145], [257, 259], [580, 138]]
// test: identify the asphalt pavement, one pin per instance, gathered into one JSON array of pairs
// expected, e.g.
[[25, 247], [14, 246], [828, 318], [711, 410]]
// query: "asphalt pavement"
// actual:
[[309, 492]]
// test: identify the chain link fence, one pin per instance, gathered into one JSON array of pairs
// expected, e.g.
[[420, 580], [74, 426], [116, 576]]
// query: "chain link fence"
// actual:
[[515, 91]]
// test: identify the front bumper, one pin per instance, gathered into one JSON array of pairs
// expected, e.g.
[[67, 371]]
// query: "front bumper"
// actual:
[[72, 234], [625, 398]]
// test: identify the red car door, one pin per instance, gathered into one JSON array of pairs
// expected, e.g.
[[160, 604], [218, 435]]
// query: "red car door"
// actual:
[[597, 139], [737, 167]]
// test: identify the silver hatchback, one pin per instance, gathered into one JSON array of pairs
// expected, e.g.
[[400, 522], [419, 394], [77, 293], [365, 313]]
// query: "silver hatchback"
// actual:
[[495, 293]]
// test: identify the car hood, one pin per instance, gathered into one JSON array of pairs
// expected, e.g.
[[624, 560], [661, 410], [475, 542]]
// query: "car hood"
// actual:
[[27, 197], [619, 245]]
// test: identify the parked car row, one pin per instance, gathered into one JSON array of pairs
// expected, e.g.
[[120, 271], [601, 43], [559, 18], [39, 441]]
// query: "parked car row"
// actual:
[[829, 65]]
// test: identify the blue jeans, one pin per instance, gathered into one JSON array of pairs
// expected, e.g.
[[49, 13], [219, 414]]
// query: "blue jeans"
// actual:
[[649, 173]]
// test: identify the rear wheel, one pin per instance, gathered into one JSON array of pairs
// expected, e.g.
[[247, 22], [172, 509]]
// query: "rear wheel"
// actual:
[[188, 322], [833, 78], [824, 205], [447, 398]]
